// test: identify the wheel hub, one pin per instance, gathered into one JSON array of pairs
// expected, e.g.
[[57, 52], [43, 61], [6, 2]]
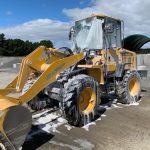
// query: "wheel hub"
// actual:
[[134, 87], [87, 100]]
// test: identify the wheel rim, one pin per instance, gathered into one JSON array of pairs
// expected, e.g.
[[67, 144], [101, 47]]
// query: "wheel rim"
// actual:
[[134, 87], [87, 100]]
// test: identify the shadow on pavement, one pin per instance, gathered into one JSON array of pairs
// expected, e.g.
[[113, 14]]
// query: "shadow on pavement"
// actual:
[[36, 138]]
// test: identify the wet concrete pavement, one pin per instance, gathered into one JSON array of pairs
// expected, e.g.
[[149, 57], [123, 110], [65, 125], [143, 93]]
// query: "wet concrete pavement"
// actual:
[[120, 127]]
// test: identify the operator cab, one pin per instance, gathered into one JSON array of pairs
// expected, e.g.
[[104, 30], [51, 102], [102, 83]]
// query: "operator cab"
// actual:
[[95, 33]]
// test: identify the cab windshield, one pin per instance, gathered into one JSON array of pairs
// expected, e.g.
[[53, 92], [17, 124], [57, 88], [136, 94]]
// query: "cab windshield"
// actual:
[[88, 34]]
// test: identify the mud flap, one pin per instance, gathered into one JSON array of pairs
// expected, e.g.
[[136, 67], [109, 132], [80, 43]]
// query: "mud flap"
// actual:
[[16, 125]]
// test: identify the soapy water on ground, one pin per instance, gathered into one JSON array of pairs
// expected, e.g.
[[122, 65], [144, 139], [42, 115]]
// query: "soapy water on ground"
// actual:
[[69, 127], [87, 126], [49, 122]]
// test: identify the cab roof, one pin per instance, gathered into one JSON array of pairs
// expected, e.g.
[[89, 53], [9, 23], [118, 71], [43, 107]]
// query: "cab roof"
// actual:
[[101, 16]]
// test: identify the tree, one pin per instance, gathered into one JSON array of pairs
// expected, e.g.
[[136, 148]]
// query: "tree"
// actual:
[[18, 47], [2, 39], [2, 51], [46, 43]]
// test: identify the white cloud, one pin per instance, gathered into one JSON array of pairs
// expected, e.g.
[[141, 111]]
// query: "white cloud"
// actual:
[[41, 29], [135, 13]]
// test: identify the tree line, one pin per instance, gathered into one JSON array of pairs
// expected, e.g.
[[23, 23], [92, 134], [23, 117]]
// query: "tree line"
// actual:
[[18, 47]]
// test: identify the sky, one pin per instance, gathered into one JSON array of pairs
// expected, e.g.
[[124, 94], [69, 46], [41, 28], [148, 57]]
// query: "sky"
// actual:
[[37, 20]]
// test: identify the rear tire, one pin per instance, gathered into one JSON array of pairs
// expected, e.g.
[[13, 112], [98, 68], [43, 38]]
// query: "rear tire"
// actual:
[[129, 89], [81, 100]]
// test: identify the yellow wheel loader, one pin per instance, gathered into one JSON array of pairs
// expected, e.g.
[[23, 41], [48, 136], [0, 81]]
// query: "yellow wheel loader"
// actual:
[[73, 80]]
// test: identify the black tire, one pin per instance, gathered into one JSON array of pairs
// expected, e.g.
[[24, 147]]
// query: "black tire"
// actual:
[[37, 103], [123, 90], [72, 91]]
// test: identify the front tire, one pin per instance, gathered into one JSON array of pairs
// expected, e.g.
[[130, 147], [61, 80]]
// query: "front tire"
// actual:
[[129, 89], [81, 100]]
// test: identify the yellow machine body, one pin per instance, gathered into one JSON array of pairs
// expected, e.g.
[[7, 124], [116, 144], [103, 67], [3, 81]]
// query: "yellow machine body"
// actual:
[[50, 63]]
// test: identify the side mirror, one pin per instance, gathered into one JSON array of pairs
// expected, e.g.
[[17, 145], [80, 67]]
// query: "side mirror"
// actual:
[[71, 32]]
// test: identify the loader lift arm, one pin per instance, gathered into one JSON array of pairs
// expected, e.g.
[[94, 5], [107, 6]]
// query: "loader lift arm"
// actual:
[[49, 63]]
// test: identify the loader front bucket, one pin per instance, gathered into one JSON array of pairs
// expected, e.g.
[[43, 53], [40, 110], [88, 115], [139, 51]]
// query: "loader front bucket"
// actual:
[[15, 124]]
